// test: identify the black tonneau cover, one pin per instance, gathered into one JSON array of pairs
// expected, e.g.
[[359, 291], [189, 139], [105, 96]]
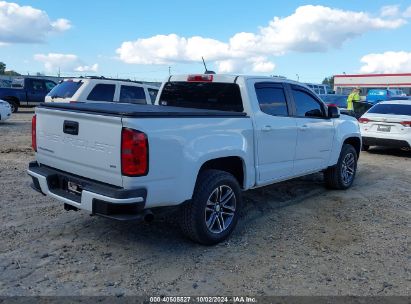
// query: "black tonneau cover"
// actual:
[[137, 110]]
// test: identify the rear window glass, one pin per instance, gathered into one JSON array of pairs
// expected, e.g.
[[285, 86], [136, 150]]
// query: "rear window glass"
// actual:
[[377, 92], [132, 94], [66, 89], [395, 109], [102, 92], [202, 95]]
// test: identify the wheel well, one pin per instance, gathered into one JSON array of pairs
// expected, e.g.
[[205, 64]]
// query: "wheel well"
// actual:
[[355, 142], [232, 164], [11, 98]]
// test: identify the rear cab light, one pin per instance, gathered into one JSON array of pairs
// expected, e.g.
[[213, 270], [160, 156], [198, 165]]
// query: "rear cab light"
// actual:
[[406, 123], [34, 133], [363, 120], [200, 78], [134, 153]]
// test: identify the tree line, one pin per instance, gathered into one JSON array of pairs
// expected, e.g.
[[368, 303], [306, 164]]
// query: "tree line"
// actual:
[[7, 73]]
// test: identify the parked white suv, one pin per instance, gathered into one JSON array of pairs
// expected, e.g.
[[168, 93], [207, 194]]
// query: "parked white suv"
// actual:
[[98, 89]]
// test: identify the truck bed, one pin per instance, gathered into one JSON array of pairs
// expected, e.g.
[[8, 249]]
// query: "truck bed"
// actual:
[[138, 111]]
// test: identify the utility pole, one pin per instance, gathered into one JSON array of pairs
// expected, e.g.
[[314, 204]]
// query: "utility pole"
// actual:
[[59, 73], [169, 71], [298, 77]]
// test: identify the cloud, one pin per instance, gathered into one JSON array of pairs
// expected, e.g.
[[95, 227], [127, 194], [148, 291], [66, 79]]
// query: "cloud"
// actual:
[[390, 11], [87, 68], [61, 25], [309, 29], [25, 24], [388, 62], [255, 64], [54, 62], [407, 12]]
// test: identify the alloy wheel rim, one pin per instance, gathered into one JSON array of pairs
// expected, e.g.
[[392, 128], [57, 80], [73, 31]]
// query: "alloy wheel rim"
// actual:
[[348, 168], [220, 209]]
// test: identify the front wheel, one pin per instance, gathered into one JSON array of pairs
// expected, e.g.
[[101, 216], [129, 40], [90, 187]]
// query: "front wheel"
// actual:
[[13, 106], [212, 214], [341, 176]]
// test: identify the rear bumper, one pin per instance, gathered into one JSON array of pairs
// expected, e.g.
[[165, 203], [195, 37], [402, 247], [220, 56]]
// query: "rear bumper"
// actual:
[[386, 142], [95, 197]]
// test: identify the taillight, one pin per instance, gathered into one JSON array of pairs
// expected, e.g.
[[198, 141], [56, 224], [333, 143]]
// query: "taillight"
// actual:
[[134, 153], [363, 120], [406, 123], [33, 133], [200, 78], [73, 101]]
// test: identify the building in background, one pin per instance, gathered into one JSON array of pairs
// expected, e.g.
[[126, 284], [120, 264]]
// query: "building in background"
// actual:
[[343, 84]]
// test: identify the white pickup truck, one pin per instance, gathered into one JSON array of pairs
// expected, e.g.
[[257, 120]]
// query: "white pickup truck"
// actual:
[[207, 139]]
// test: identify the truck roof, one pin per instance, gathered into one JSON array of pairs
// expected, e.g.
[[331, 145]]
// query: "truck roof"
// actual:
[[231, 78], [112, 80]]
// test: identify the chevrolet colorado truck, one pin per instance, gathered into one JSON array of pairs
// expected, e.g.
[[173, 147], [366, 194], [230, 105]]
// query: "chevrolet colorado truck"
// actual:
[[208, 138]]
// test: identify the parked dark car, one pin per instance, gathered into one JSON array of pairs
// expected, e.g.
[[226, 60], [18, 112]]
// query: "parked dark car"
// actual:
[[30, 94], [340, 101], [400, 98]]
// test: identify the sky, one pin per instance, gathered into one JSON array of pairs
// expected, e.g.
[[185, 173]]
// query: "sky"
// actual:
[[145, 40]]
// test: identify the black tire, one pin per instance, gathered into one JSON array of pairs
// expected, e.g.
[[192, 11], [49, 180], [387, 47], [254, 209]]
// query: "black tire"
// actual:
[[195, 212], [365, 147], [334, 176], [14, 106]]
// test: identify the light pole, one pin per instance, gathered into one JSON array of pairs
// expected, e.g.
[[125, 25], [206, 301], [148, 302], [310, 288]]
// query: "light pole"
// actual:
[[298, 77]]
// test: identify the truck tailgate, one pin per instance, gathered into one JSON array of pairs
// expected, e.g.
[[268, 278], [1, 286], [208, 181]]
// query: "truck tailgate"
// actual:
[[84, 144]]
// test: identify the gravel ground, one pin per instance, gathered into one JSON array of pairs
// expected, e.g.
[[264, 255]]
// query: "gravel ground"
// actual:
[[295, 238]]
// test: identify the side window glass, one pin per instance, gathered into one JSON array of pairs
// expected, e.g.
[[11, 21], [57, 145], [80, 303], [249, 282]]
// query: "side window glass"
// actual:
[[306, 105], [272, 100], [102, 92], [153, 95], [49, 85], [132, 94], [37, 85]]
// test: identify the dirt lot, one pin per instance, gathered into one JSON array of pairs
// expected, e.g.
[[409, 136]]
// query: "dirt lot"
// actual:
[[295, 238]]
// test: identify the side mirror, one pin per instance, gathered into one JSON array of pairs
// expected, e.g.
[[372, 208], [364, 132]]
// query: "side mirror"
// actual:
[[333, 111]]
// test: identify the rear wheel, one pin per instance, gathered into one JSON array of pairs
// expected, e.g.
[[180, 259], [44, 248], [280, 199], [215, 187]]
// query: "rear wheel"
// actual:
[[341, 176], [212, 214]]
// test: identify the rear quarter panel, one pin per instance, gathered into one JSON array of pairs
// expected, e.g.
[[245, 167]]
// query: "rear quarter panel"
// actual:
[[345, 127], [178, 147]]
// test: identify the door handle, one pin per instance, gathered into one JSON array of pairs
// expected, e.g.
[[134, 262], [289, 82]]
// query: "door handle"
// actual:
[[267, 129], [304, 127]]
